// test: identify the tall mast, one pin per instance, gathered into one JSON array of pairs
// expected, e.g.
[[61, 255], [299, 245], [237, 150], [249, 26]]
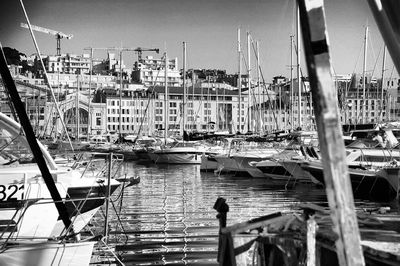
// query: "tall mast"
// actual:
[[239, 82], [184, 88], [249, 114], [260, 121], [166, 99], [382, 82], [120, 95], [90, 94], [77, 107], [363, 75], [194, 120], [58, 100], [208, 102], [291, 85], [216, 103], [298, 65]]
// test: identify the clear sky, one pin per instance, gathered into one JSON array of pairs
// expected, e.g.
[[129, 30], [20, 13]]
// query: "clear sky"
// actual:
[[208, 26]]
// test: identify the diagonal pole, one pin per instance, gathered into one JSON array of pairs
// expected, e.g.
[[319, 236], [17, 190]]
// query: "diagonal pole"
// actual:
[[31, 138], [337, 181]]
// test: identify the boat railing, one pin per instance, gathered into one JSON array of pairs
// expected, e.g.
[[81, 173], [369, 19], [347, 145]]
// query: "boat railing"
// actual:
[[11, 226]]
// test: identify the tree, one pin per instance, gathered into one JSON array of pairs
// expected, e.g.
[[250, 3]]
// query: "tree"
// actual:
[[13, 56]]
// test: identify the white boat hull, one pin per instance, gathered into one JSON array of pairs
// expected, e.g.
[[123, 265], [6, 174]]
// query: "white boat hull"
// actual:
[[175, 158], [72, 254]]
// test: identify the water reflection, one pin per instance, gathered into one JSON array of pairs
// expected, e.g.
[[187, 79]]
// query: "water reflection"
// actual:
[[168, 218]]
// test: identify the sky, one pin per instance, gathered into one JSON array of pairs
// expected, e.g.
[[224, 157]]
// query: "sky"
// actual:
[[209, 27]]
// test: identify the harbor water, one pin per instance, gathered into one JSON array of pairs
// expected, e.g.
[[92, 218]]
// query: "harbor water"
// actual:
[[168, 218]]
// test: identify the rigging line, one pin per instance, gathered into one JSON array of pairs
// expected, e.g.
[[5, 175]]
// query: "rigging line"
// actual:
[[265, 88], [151, 89], [257, 107], [372, 48], [200, 105], [9, 101], [349, 84], [372, 74], [302, 82], [45, 72], [269, 98]]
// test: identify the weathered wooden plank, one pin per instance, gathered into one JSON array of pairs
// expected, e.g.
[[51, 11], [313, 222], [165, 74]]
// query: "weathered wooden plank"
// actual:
[[337, 182], [311, 233]]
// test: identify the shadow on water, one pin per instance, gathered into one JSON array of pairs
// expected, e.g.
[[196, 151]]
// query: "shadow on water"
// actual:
[[168, 218]]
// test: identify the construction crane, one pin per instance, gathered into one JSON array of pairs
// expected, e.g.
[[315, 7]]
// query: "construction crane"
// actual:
[[59, 35], [139, 51]]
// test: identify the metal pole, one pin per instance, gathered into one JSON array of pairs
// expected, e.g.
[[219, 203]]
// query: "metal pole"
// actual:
[[217, 104], [382, 82], [249, 114], [184, 89], [120, 96], [166, 99], [291, 85], [259, 88], [280, 107], [58, 96], [208, 102], [90, 95], [363, 75], [298, 66], [239, 82], [77, 107], [193, 114], [108, 193]]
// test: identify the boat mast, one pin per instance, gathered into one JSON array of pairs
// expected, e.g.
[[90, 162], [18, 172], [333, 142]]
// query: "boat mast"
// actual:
[[166, 99], [216, 103], [184, 89], [291, 84], [193, 114], [77, 107], [298, 65], [89, 123], [120, 96], [249, 113], [239, 81], [208, 102], [363, 75], [382, 82], [260, 121]]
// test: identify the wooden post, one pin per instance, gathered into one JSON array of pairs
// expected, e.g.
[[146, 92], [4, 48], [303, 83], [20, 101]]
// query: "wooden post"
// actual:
[[311, 233], [337, 182]]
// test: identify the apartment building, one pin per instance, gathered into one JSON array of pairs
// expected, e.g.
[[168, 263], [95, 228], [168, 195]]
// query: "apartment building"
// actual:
[[151, 72]]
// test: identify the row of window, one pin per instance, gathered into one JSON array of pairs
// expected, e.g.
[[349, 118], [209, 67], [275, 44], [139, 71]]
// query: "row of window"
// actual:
[[126, 119], [125, 103], [124, 127], [124, 111]]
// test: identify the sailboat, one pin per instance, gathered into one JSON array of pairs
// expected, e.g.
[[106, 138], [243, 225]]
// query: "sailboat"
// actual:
[[177, 152], [33, 197]]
